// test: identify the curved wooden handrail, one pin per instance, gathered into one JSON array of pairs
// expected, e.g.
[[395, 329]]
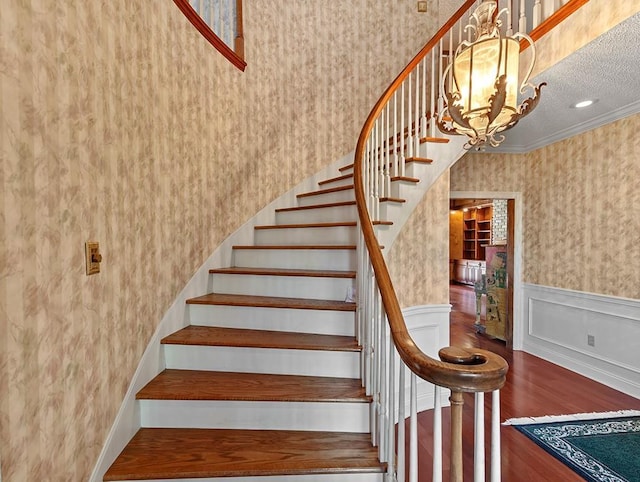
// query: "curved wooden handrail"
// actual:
[[469, 370], [202, 27], [553, 21]]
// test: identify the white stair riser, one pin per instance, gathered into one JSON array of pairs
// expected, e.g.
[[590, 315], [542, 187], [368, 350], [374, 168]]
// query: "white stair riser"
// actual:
[[324, 477], [334, 214], [283, 286], [400, 189], [256, 415], [324, 322], [389, 210], [266, 360], [331, 259], [310, 236], [326, 198]]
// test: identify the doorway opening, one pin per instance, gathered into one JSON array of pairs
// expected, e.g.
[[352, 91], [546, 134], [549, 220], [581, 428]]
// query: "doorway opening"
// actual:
[[485, 240]]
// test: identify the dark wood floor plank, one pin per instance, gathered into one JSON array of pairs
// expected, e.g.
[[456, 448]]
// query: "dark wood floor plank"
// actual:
[[534, 387], [208, 385], [271, 302], [216, 336], [153, 454]]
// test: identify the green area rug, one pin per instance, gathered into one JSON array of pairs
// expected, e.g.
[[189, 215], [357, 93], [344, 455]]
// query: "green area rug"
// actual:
[[599, 447]]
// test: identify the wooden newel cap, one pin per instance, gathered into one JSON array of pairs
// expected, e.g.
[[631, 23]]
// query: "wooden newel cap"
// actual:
[[459, 356]]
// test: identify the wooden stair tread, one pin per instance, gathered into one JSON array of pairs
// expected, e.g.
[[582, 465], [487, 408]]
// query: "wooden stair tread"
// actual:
[[405, 178], [308, 225], [419, 160], [436, 140], [382, 223], [271, 302], [307, 273], [165, 453], [409, 160], [392, 200], [251, 387], [335, 179], [316, 206], [246, 338], [325, 191], [296, 246]]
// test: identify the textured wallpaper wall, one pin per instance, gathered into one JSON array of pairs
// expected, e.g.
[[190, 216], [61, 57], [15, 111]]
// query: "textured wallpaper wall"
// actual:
[[581, 204], [419, 259], [120, 124]]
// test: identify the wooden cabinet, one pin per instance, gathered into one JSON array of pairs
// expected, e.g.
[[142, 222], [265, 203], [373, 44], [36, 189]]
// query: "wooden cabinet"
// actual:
[[476, 232]]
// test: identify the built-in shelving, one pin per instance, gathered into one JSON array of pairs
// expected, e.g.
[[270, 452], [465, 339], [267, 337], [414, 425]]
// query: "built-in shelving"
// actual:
[[476, 232]]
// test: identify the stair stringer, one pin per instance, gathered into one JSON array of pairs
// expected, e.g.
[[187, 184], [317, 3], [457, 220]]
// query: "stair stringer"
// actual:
[[443, 155], [127, 420]]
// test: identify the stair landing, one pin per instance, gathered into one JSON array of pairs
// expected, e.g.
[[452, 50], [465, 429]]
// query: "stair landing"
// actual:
[[160, 453]]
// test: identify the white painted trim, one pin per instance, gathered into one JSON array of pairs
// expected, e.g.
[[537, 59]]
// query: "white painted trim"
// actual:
[[343, 477], [518, 300], [422, 321], [576, 129], [582, 314], [127, 421], [571, 417]]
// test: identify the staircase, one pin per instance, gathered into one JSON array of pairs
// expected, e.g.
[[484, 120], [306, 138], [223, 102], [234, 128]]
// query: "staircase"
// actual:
[[265, 383]]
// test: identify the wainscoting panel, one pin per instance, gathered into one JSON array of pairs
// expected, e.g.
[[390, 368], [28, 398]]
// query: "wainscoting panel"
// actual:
[[594, 335], [429, 328]]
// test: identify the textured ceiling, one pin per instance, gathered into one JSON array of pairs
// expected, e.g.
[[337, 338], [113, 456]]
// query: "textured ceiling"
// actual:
[[606, 70]]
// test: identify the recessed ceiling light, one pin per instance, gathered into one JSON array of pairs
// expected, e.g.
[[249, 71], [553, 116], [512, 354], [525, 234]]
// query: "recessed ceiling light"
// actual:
[[584, 103]]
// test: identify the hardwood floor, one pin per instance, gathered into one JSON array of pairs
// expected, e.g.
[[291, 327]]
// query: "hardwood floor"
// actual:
[[534, 387]]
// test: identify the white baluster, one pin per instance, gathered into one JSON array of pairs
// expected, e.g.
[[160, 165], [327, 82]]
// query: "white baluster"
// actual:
[[434, 84], [522, 25], [437, 434], [413, 431], [376, 169], [549, 8], [440, 100], [395, 133], [416, 116], [537, 13], [391, 398], [402, 156], [478, 446], [509, 8], [387, 162], [384, 414], [423, 116], [410, 115], [496, 471], [401, 419]]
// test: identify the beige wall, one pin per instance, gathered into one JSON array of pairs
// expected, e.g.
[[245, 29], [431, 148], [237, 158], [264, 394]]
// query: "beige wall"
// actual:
[[122, 125], [419, 258], [581, 204]]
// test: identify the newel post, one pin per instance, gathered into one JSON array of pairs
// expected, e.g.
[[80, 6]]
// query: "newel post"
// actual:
[[457, 402]]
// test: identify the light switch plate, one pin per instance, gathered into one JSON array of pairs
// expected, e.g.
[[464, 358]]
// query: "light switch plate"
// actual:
[[422, 7], [93, 257]]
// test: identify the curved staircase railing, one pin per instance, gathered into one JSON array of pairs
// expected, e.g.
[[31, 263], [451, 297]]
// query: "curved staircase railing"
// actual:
[[397, 131]]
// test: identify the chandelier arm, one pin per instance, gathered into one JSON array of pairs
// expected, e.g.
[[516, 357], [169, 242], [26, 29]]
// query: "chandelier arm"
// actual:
[[525, 80]]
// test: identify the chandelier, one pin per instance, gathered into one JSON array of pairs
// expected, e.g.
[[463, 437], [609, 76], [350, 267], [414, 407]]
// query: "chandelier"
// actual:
[[481, 84]]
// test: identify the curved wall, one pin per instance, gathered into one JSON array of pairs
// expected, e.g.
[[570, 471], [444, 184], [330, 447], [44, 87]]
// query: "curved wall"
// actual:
[[122, 125]]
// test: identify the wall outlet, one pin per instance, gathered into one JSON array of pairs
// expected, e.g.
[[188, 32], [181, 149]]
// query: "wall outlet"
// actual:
[[591, 340], [422, 7]]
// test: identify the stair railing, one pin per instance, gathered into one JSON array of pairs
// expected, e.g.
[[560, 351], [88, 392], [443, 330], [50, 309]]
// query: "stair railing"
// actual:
[[400, 122], [395, 132]]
